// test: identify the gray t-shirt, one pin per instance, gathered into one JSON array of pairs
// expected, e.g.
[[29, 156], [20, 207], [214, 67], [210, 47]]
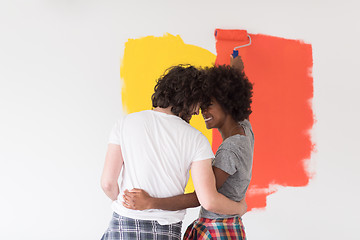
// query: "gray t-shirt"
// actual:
[[235, 157]]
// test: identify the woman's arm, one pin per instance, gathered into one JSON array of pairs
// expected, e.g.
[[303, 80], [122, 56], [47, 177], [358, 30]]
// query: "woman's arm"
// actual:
[[220, 177], [111, 172], [237, 63], [138, 199]]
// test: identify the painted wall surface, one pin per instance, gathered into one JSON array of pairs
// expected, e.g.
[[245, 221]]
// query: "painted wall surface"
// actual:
[[61, 90], [282, 118]]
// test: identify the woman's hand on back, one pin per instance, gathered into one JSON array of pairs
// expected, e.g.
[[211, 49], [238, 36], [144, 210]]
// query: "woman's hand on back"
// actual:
[[137, 199]]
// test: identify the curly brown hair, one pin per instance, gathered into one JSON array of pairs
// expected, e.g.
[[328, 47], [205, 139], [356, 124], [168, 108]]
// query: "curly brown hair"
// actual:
[[181, 88], [231, 88]]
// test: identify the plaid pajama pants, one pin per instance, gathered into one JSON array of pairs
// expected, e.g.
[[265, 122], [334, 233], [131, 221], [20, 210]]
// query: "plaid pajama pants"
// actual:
[[219, 229], [135, 229]]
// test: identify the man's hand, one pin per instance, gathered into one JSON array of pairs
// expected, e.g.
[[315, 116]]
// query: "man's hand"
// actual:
[[237, 63], [137, 199]]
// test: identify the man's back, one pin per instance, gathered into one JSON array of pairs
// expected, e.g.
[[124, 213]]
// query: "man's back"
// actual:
[[157, 150]]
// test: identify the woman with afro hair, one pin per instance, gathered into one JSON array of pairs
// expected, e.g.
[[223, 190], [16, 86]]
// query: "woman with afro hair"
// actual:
[[227, 108]]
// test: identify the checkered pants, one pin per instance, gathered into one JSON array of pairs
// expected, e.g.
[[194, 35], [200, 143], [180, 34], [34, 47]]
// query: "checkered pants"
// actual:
[[135, 229], [219, 229]]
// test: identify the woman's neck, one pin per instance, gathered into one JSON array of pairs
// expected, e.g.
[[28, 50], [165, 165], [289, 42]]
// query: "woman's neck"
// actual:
[[230, 128]]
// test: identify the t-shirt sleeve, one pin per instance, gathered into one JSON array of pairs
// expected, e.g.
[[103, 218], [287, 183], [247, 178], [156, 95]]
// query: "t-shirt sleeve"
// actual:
[[202, 148], [246, 123], [226, 160], [115, 133]]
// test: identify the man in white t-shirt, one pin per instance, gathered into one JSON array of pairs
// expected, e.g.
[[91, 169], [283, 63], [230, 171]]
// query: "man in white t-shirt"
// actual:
[[154, 150]]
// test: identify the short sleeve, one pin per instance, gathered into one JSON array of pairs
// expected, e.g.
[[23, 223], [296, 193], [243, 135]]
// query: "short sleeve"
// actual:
[[226, 160], [202, 148], [115, 132]]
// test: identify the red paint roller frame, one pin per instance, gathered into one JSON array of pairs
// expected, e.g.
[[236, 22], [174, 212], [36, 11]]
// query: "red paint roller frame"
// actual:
[[234, 35]]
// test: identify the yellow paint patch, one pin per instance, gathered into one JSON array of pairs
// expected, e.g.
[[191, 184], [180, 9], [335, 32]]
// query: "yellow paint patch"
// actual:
[[145, 60]]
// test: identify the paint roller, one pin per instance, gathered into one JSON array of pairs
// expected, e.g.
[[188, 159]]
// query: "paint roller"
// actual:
[[233, 35]]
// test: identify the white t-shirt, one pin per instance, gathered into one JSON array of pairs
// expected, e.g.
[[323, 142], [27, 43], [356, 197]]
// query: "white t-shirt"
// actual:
[[158, 150]]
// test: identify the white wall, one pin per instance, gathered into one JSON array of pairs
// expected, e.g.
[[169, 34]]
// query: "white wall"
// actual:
[[60, 94]]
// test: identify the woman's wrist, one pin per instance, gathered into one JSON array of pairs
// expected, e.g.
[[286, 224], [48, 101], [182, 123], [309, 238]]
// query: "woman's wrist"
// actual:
[[151, 203]]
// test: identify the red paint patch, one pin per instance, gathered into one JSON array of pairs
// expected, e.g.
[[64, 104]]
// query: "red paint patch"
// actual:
[[282, 115]]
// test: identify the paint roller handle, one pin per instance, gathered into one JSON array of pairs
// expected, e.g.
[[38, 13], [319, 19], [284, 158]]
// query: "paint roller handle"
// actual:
[[235, 53]]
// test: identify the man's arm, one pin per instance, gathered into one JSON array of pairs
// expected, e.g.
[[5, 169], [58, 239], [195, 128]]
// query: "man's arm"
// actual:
[[209, 198], [111, 172]]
